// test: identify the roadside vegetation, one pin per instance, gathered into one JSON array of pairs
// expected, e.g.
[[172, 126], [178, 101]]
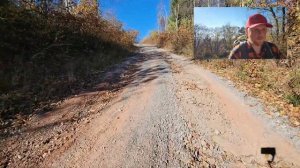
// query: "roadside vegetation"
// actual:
[[52, 49], [175, 31], [275, 82]]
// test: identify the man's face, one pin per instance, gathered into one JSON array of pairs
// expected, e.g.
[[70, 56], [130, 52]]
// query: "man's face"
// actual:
[[257, 35]]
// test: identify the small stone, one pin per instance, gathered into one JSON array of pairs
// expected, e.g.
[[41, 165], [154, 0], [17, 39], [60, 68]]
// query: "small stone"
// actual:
[[66, 138], [87, 121], [276, 114], [220, 158], [212, 166], [206, 164], [19, 156], [217, 132], [44, 155], [27, 143], [56, 138], [47, 141], [209, 152]]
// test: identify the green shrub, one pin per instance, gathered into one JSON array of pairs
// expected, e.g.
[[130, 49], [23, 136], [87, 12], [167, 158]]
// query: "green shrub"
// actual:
[[293, 99]]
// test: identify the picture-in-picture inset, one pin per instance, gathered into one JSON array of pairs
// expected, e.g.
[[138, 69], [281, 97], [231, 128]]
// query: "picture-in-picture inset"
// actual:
[[240, 33]]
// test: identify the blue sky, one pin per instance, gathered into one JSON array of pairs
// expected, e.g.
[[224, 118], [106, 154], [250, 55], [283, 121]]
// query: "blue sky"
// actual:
[[140, 15], [219, 16]]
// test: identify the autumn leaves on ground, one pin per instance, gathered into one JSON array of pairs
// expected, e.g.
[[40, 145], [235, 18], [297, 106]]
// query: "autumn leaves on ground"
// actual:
[[60, 70]]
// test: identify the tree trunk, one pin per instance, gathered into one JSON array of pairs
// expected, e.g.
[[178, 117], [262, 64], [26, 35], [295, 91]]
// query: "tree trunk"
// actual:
[[276, 22], [283, 23], [177, 17]]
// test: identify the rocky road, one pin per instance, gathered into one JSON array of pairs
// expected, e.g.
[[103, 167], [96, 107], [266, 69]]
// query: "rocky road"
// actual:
[[170, 112]]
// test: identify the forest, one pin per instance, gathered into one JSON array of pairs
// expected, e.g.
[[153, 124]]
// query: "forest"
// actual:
[[212, 43]]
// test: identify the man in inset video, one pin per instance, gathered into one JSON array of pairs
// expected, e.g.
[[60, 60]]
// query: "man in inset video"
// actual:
[[256, 46]]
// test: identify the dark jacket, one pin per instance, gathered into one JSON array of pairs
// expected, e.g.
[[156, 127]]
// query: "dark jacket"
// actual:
[[245, 51]]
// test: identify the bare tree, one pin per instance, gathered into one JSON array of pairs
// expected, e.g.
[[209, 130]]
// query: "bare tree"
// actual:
[[283, 23], [162, 17], [177, 16], [276, 22], [68, 5]]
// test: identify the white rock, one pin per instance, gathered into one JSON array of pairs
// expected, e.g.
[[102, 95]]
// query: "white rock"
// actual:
[[217, 132], [19, 156]]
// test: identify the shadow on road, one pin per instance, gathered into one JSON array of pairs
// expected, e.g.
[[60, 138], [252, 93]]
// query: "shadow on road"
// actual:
[[114, 79]]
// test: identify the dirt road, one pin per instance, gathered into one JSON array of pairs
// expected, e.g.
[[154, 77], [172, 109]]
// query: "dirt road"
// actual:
[[174, 113]]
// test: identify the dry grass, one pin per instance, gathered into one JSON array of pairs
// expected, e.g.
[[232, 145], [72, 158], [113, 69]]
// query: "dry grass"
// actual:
[[277, 85], [179, 41], [46, 55]]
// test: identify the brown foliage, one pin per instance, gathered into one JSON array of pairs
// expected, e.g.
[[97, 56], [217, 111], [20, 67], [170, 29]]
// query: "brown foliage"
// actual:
[[276, 84], [183, 40], [47, 55], [180, 41]]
